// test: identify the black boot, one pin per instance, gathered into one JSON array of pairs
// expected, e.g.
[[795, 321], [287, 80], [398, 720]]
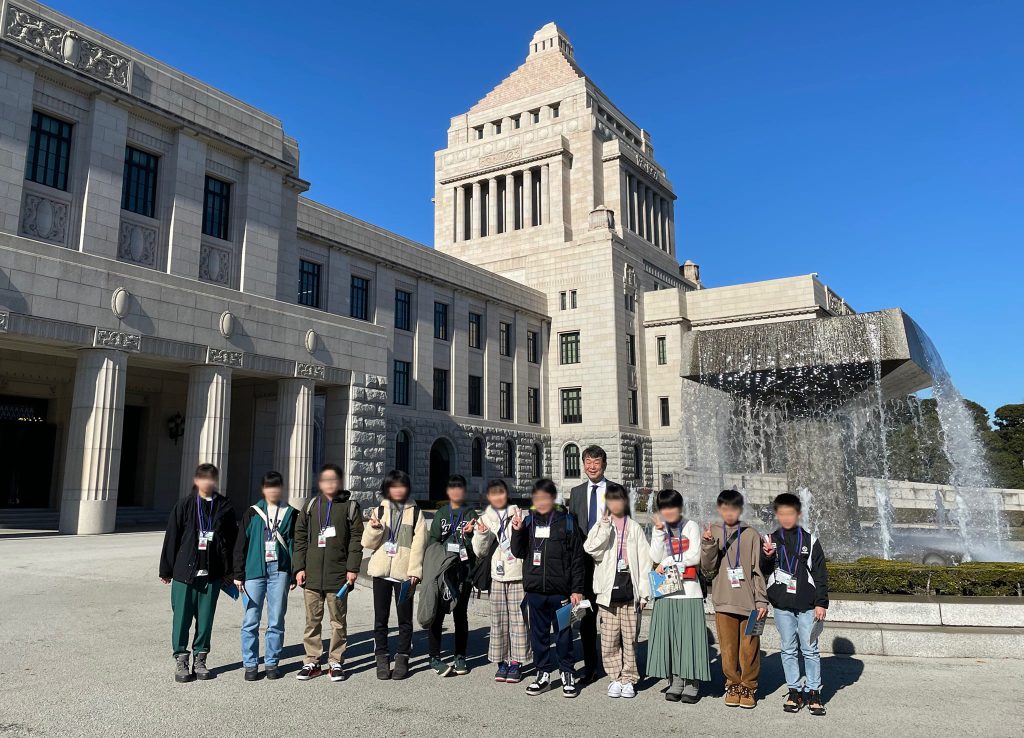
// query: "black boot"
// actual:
[[401, 666], [383, 666]]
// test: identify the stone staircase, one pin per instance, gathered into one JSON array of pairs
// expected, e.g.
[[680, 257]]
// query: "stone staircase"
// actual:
[[44, 519]]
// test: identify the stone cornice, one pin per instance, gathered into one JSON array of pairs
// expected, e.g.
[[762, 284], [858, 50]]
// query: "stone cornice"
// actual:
[[511, 164]]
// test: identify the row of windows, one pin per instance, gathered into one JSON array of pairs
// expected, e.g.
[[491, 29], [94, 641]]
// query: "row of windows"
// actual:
[[403, 456], [475, 400], [48, 162], [567, 300], [515, 121]]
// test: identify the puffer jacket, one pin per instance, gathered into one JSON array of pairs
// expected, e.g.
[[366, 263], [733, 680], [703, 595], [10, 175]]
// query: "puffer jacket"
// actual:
[[603, 545], [409, 532], [513, 567]]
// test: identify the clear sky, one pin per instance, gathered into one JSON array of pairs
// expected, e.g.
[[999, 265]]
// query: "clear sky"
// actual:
[[878, 143]]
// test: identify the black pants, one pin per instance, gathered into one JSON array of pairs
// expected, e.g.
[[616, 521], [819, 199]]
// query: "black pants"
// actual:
[[588, 625], [383, 594], [461, 621], [543, 619]]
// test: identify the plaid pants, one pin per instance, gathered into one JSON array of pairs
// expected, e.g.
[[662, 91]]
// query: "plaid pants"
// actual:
[[510, 639], [618, 642]]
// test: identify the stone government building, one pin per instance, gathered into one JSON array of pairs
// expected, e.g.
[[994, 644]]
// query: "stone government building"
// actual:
[[168, 296]]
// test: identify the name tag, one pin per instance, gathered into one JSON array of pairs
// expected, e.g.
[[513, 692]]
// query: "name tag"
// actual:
[[463, 554], [321, 541], [391, 548], [782, 577], [735, 576], [623, 565], [270, 550], [791, 586], [454, 547], [202, 543], [536, 558], [542, 531], [329, 532], [202, 573]]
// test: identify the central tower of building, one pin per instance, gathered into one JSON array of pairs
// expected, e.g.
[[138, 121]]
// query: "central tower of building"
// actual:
[[547, 182]]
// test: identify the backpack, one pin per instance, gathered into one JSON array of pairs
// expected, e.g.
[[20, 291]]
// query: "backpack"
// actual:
[[481, 574]]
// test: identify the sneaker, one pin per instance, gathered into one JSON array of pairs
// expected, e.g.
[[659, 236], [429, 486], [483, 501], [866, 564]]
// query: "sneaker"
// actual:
[[732, 696], [615, 690], [200, 668], [309, 671], [251, 673], [628, 691], [569, 684], [501, 674], [814, 703], [273, 672], [515, 673], [460, 666], [747, 699], [442, 668], [794, 701], [540, 685], [337, 673], [182, 672]]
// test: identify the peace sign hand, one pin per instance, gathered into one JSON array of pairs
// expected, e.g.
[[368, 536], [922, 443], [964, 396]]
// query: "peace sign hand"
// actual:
[[481, 526], [708, 535], [517, 521], [374, 522], [659, 524], [605, 517], [467, 528]]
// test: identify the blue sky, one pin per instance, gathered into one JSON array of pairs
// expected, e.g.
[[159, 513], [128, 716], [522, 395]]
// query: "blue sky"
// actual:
[[876, 143]]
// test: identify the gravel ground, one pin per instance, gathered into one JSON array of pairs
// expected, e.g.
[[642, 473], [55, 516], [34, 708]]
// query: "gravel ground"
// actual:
[[84, 651]]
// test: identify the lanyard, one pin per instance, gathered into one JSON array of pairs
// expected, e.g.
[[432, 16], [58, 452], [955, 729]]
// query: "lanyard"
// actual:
[[503, 521], [533, 530], [392, 528], [272, 528], [325, 523], [455, 525], [199, 514], [725, 542], [622, 535], [795, 561], [679, 538]]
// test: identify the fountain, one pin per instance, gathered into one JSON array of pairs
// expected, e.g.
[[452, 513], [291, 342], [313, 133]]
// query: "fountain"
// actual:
[[815, 402]]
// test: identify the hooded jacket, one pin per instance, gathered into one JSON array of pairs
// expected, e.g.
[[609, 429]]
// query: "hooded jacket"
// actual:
[[809, 569], [326, 567], [603, 545], [443, 579], [512, 568], [180, 556], [561, 570]]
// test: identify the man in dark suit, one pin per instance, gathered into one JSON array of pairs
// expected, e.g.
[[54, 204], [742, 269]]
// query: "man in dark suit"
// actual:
[[586, 502]]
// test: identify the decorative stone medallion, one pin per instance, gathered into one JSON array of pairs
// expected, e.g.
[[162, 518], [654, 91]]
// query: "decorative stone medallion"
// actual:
[[311, 340], [136, 244], [227, 324], [121, 340], [224, 357], [309, 371], [119, 302], [214, 264], [44, 218]]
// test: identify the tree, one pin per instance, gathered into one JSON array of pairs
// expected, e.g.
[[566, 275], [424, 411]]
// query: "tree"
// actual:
[[1006, 446]]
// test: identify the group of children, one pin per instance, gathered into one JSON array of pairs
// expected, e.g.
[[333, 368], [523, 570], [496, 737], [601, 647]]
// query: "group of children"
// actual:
[[542, 567]]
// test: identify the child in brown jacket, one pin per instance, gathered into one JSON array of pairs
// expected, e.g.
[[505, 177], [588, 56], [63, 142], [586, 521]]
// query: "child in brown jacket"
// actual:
[[731, 558]]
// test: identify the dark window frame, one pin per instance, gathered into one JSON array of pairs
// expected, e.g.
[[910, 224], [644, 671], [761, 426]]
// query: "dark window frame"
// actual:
[[441, 332], [631, 349], [138, 186], [633, 405], [533, 405], [475, 401], [571, 405], [506, 400], [440, 394], [663, 405], [504, 338], [571, 461], [308, 272], [533, 347], [569, 347], [48, 159], [217, 208], [661, 343], [476, 330], [403, 310], [403, 375], [401, 463], [359, 297]]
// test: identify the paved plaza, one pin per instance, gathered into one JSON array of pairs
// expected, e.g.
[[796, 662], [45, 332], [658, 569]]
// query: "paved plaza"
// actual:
[[84, 651]]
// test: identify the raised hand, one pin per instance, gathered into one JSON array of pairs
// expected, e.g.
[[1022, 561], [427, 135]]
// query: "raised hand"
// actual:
[[659, 524], [768, 546], [605, 517], [517, 521], [374, 522], [708, 535], [481, 526], [467, 528]]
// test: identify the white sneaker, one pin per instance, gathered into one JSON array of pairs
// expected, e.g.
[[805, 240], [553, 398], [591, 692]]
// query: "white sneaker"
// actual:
[[615, 690], [628, 691]]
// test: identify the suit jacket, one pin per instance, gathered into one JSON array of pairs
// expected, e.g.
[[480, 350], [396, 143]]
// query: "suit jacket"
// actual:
[[578, 504]]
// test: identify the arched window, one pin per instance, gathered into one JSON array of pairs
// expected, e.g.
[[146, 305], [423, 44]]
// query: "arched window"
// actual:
[[403, 451], [478, 458], [538, 461], [638, 464], [571, 461], [510, 459]]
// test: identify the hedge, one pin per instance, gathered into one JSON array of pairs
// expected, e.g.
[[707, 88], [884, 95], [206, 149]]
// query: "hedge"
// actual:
[[973, 579]]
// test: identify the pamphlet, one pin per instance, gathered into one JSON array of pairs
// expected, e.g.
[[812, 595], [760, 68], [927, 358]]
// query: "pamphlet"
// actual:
[[754, 627], [665, 584], [230, 590]]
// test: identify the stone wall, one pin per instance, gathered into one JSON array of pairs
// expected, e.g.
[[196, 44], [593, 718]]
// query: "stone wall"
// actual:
[[366, 440]]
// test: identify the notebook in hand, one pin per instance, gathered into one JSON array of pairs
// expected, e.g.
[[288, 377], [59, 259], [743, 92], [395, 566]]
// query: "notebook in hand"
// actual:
[[754, 627], [665, 584]]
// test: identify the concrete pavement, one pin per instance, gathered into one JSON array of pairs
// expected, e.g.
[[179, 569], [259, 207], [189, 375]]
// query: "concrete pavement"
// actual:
[[84, 651]]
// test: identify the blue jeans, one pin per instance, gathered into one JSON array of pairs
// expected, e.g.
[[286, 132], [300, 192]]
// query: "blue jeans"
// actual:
[[795, 628], [274, 589]]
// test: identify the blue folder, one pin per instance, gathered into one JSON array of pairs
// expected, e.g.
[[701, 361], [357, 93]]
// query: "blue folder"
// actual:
[[405, 592], [564, 616], [230, 590]]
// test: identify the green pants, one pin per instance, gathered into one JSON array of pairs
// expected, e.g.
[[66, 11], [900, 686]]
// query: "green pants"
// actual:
[[193, 603]]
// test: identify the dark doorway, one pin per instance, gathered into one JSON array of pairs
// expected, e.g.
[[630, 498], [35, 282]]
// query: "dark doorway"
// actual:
[[129, 489], [440, 468], [26, 453]]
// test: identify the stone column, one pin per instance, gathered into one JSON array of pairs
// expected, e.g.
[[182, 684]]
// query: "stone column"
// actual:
[[366, 437], [460, 213], [492, 206], [545, 198], [656, 202], [207, 421], [664, 225], [259, 207], [649, 214], [16, 100], [671, 228], [622, 211], [293, 437], [476, 211], [527, 198], [641, 207], [93, 459], [510, 202]]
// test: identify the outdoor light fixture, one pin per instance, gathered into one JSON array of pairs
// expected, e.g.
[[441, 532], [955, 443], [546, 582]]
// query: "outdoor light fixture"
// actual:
[[176, 427]]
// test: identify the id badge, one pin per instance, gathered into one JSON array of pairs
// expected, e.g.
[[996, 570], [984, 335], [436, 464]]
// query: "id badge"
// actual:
[[791, 586], [454, 547], [202, 573], [735, 576], [536, 558], [542, 531], [463, 553], [391, 548], [329, 532], [202, 543], [782, 577], [270, 550], [321, 541], [623, 565]]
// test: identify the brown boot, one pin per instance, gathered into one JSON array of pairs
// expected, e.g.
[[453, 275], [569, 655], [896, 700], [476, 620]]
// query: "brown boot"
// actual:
[[748, 699], [732, 695]]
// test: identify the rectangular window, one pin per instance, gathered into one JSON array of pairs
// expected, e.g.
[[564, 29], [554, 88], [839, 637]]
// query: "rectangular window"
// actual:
[[662, 350], [216, 207], [532, 347], [630, 302], [476, 395], [403, 310], [138, 190], [572, 299], [359, 306], [497, 127], [49, 151], [505, 400], [505, 339], [569, 348], [562, 301], [403, 369], [309, 283], [440, 389], [664, 410], [515, 121], [634, 408], [533, 404], [631, 349], [476, 330], [479, 132], [535, 116], [441, 320], [572, 405], [554, 111]]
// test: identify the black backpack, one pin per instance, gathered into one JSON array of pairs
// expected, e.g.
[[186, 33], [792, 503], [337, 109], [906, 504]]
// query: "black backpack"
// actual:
[[481, 574]]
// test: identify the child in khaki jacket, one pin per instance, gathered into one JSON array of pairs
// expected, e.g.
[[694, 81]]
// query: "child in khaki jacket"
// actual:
[[397, 534], [730, 555]]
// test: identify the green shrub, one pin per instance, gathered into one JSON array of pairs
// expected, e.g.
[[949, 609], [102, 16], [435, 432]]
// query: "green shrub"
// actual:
[[876, 576]]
